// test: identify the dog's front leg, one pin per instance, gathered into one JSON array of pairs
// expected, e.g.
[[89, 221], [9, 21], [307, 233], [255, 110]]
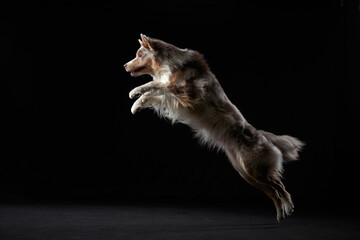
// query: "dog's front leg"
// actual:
[[145, 101], [149, 87]]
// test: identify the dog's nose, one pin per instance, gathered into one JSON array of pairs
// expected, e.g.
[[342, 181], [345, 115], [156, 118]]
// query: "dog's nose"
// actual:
[[125, 66]]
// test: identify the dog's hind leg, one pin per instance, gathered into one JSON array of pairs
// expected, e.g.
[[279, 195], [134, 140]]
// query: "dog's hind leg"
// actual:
[[285, 195], [271, 184], [270, 191], [267, 188], [275, 189]]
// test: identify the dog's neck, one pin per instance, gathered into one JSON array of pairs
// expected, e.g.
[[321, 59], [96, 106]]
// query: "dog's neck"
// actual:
[[163, 74]]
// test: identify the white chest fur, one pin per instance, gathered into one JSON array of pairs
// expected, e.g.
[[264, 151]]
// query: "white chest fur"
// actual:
[[163, 75]]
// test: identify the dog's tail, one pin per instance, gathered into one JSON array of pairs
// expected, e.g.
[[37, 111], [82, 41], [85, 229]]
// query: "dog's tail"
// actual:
[[289, 146]]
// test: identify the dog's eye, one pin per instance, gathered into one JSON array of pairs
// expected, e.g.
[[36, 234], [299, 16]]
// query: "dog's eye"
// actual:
[[140, 55]]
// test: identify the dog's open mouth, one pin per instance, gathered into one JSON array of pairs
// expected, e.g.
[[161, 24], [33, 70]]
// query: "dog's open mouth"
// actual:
[[137, 70]]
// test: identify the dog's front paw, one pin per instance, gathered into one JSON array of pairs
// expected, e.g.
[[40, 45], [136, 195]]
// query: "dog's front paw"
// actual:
[[135, 109], [138, 104], [135, 93]]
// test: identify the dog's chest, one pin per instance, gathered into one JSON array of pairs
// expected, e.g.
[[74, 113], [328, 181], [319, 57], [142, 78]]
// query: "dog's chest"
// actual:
[[163, 76]]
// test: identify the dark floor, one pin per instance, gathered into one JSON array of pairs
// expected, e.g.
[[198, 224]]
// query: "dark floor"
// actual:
[[149, 221]]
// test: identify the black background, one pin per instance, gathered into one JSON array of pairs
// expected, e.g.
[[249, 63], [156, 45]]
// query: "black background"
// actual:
[[291, 68]]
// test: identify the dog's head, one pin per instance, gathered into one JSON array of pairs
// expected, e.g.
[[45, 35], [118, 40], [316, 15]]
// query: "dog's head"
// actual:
[[144, 62], [154, 55]]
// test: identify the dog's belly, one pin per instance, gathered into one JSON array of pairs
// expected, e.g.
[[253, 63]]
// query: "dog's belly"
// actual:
[[188, 117]]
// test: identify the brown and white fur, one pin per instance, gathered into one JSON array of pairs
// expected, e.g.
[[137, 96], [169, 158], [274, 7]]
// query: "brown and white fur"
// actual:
[[185, 90]]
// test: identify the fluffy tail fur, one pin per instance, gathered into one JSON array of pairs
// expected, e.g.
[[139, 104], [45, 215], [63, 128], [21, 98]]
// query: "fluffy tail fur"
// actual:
[[289, 146]]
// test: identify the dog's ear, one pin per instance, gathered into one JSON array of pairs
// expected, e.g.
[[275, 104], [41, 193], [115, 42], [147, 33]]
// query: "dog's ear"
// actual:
[[146, 42], [140, 42]]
